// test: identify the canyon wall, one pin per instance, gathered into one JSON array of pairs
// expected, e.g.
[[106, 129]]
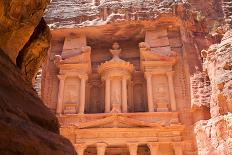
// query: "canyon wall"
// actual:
[[214, 135], [27, 126]]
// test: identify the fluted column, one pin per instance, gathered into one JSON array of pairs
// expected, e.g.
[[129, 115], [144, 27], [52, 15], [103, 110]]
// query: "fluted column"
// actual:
[[82, 94], [133, 147], [171, 90], [101, 148], [154, 148], [148, 76], [59, 106], [124, 94], [80, 148], [177, 148], [107, 96]]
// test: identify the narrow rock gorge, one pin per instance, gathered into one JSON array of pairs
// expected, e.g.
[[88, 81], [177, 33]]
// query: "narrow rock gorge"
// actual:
[[26, 125]]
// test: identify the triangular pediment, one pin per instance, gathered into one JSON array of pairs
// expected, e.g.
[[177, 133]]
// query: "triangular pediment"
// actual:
[[78, 58], [117, 121]]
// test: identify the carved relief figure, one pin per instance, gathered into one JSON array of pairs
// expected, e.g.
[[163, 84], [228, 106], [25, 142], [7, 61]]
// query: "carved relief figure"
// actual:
[[116, 96]]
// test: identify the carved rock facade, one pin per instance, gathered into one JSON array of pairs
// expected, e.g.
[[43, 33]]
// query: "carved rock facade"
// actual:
[[125, 77]]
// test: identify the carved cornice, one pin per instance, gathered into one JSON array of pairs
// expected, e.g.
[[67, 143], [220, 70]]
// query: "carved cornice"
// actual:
[[117, 119]]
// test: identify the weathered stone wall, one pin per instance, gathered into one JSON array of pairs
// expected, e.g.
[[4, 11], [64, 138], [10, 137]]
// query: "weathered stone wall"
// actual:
[[213, 135]]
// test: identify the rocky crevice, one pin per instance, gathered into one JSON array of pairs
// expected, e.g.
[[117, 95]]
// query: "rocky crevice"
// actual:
[[34, 52]]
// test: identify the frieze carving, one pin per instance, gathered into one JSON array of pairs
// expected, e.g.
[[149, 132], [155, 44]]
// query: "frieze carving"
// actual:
[[117, 119]]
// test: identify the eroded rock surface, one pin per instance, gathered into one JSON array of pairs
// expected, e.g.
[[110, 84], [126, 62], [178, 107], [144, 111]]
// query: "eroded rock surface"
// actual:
[[26, 125], [214, 135], [34, 52], [18, 20]]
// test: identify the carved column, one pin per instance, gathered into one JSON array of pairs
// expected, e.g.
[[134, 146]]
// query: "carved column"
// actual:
[[124, 94], [148, 76], [154, 148], [59, 106], [101, 148], [107, 96], [133, 147], [177, 148], [82, 94], [171, 90], [80, 148]]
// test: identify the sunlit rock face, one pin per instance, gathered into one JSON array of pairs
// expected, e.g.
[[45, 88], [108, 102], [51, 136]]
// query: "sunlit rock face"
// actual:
[[18, 21], [214, 136]]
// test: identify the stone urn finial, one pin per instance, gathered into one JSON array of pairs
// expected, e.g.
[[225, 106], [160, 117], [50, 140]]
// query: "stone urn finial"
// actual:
[[115, 51], [115, 46]]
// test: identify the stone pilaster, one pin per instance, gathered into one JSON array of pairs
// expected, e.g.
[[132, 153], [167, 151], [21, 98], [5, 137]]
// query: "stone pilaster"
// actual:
[[133, 147], [107, 96], [80, 148], [124, 95], [59, 106], [82, 94], [171, 90], [154, 148], [101, 148], [178, 148], [148, 76]]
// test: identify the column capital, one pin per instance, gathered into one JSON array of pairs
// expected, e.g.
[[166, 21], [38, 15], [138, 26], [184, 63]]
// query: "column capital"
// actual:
[[148, 74], [83, 76], [101, 145], [125, 77], [153, 144], [101, 148], [170, 73], [177, 144], [154, 147], [61, 76], [133, 147], [80, 146], [132, 144]]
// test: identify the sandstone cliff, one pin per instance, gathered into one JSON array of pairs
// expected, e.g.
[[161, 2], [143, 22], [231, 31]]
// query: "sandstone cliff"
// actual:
[[214, 135], [27, 127]]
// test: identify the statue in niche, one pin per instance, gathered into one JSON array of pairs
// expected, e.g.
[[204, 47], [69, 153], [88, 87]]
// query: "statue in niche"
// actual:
[[116, 97], [161, 98], [116, 106], [71, 94], [72, 97]]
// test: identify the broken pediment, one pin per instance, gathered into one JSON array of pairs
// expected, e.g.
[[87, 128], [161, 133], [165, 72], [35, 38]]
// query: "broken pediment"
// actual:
[[73, 44], [77, 61], [120, 121]]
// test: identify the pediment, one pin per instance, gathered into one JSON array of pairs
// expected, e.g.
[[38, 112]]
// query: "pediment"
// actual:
[[80, 58], [147, 55], [117, 121]]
